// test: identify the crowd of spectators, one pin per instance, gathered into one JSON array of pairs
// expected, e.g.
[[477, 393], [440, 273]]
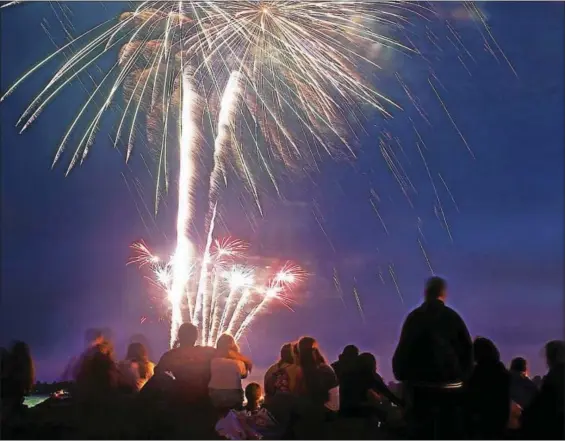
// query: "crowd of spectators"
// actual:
[[452, 387]]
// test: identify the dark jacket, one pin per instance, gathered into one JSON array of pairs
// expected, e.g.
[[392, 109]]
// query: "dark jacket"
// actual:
[[434, 347], [354, 388], [544, 417], [522, 389]]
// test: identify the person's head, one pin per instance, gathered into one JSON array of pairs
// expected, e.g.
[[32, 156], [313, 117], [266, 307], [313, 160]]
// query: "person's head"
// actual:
[[309, 352], [349, 353], [367, 363], [106, 347], [98, 373], [286, 354], [253, 394], [555, 353], [93, 337], [137, 352], [485, 351], [187, 335], [436, 289], [519, 365], [141, 338], [226, 344]]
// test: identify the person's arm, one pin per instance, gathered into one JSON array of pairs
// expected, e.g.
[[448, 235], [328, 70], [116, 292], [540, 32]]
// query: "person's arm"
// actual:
[[240, 357], [401, 354], [381, 389], [464, 347], [332, 384], [163, 365]]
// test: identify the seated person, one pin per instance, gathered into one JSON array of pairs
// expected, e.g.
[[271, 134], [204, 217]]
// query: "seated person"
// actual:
[[188, 365], [228, 367], [253, 395], [363, 391]]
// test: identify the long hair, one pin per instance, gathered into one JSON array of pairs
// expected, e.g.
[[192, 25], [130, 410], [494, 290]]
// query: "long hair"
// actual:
[[310, 359], [485, 351], [286, 355], [226, 344], [137, 353]]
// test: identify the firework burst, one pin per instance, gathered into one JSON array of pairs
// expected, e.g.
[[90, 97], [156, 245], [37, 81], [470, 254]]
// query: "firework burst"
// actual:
[[288, 79], [239, 290]]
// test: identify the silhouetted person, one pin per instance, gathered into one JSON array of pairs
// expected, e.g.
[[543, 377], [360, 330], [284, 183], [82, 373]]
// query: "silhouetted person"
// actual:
[[346, 361], [253, 395], [488, 392], [228, 367], [362, 390], [434, 356], [281, 376], [522, 388], [544, 417], [316, 379], [317, 389], [92, 338], [137, 369], [189, 365], [98, 376], [18, 377]]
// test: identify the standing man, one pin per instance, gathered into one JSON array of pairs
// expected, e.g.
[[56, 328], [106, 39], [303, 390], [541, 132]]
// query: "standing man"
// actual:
[[433, 358]]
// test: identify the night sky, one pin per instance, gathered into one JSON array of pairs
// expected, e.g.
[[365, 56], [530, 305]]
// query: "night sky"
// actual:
[[65, 241]]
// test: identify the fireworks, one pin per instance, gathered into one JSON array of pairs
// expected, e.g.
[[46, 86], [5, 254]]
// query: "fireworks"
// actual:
[[297, 72], [239, 290], [288, 77]]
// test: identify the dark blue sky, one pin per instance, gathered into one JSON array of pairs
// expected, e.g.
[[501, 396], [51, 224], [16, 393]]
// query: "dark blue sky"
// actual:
[[65, 241]]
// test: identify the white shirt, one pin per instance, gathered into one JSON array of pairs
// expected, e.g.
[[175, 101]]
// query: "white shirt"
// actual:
[[227, 373]]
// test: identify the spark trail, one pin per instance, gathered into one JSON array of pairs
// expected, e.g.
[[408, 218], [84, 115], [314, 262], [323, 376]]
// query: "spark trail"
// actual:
[[183, 258]]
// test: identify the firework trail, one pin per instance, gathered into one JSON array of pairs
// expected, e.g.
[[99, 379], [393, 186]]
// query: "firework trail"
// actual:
[[269, 295], [202, 298], [228, 103], [303, 64], [227, 109], [184, 255]]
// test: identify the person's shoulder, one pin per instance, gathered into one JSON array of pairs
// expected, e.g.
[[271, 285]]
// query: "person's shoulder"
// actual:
[[415, 314], [205, 352], [452, 313], [326, 369], [272, 369], [168, 357]]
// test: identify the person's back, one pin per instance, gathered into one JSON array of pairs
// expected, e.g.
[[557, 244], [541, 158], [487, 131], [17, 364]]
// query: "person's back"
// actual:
[[136, 373], [434, 347], [488, 392], [544, 417], [281, 376], [227, 369], [226, 373], [136, 369], [433, 358], [190, 366], [93, 337], [522, 389], [346, 361], [363, 392]]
